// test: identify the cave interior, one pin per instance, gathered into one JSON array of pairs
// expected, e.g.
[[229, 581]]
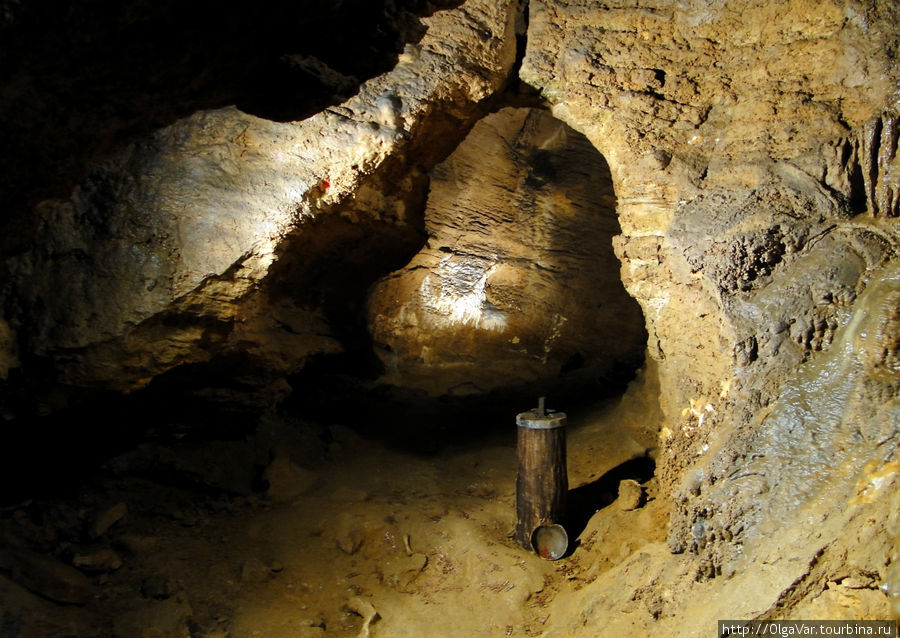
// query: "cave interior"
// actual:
[[277, 278]]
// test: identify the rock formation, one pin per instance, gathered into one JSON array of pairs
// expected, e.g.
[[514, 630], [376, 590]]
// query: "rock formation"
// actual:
[[163, 255], [741, 161], [517, 280], [756, 196]]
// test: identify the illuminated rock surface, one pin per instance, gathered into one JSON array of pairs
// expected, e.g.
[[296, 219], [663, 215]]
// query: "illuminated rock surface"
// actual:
[[517, 280], [162, 256]]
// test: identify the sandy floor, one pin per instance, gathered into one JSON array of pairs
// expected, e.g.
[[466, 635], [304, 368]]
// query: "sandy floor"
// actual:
[[365, 539]]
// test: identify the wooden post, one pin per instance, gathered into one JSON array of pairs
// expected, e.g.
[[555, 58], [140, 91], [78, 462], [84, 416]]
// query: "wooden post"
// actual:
[[541, 482]]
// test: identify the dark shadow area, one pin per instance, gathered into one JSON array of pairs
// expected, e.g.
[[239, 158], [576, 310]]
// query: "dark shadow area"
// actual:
[[329, 264], [214, 406], [586, 500], [52, 455], [327, 391]]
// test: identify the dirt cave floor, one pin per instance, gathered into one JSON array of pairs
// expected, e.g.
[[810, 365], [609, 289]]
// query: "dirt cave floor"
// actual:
[[351, 537]]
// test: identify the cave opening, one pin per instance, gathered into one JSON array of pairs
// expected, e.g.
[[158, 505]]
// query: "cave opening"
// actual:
[[513, 294]]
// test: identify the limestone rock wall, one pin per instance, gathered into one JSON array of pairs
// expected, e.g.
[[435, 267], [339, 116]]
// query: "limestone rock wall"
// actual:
[[517, 282], [753, 151], [163, 255], [703, 111]]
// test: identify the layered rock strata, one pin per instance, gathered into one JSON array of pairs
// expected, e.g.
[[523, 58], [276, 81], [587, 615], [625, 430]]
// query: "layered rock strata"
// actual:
[[517, 283]]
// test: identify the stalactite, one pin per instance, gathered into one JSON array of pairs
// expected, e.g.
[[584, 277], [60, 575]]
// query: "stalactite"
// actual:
[[866, 168], [886, 193], [867, 156], [871, 165]]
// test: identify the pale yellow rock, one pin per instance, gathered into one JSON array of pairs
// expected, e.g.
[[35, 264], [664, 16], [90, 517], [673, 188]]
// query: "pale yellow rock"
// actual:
[[630, 495], [287, 480]]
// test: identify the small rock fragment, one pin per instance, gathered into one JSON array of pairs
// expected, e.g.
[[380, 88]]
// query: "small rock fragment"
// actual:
[[403, 569], [157, 587], [350, 541], [363, 608], [46, 576], [287, 480], [416, 562], [107, 519], [101, 560], [630, 495], [349, 536]]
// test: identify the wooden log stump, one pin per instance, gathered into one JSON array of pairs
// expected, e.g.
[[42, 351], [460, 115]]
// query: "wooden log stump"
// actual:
[[541, 482]]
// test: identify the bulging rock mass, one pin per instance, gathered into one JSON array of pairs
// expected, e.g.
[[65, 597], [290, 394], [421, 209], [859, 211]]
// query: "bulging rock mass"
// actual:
[[161, 256], [517, 282]]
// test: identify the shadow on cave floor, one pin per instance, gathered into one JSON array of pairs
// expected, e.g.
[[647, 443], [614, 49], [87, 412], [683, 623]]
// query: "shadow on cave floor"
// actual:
[[204, 410], [361, 520], [586, 500], [415, 423]]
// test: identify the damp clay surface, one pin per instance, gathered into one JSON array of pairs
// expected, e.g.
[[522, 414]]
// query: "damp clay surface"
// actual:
[[335, 546]]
